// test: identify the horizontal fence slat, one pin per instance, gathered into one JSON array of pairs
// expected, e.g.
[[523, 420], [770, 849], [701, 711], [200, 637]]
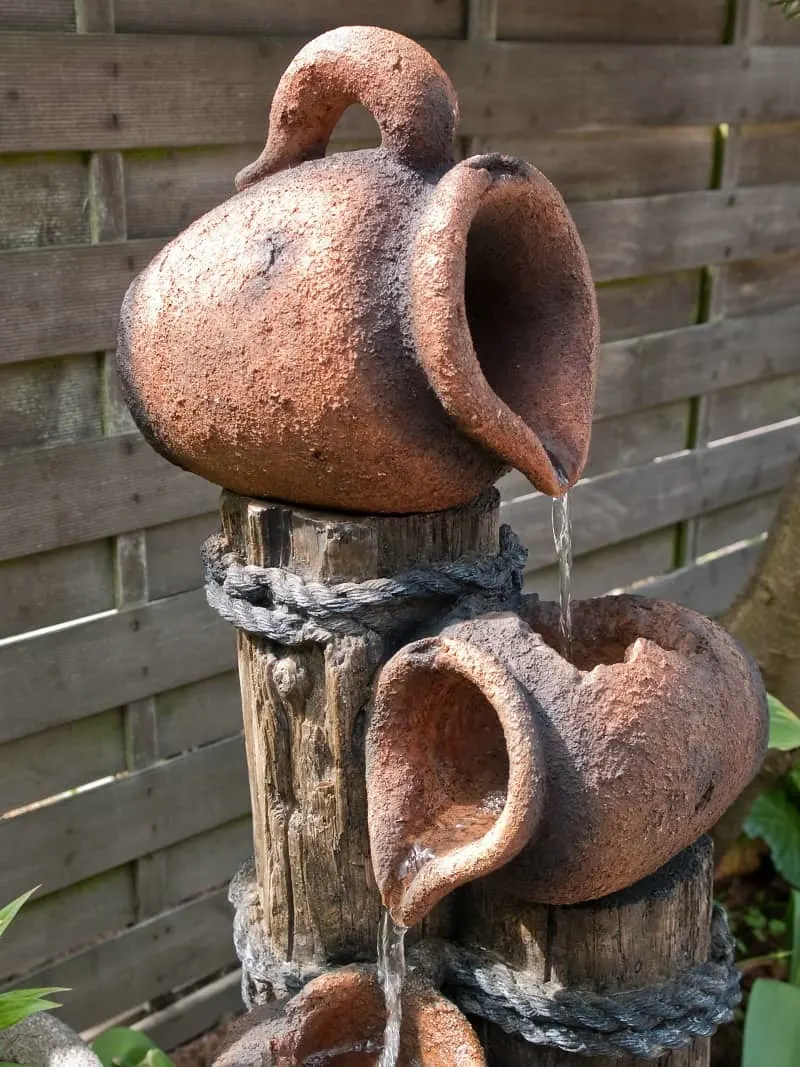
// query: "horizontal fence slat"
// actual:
[[82, 835], [758, 285], [682, 21], [69, 756], [199, 713], [745, 407], [596, 572], [129, 90], [49, 401], [740, 522], [173, 554], [619, 506], [41, 200], [49, 497], [709, 586], [65, 300], [207, 861], [195, 1014], [58, 676], [678, 364], [60, 923], [624, 238], [143, 962], [633, 307]]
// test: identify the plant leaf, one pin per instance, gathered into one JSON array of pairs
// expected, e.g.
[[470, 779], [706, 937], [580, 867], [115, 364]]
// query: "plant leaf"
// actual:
[[9, 912], [124, 1047], [784, 726], [772, 1025], [774, 818], [794, 911], [18, 1004]]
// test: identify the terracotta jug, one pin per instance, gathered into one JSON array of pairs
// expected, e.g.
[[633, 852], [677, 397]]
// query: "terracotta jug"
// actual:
[[339, 1019], [572, 778], [377, 330]]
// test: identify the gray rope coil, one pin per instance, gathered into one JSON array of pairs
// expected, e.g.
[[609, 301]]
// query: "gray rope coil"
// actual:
[[284, 607], [645, 1023]]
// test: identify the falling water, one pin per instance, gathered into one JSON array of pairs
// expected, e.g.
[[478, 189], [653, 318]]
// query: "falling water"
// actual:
[[392, 971], [562, 536]]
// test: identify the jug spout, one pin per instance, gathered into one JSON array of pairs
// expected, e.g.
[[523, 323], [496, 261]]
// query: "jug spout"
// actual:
[[455, 782], [505, 319], [339, 1018]]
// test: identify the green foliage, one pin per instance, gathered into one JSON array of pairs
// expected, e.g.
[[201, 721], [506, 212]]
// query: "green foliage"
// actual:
[[772, 1025], [784, 725], [18, 1004], [775, 818], [791, 10], [122, 1047]]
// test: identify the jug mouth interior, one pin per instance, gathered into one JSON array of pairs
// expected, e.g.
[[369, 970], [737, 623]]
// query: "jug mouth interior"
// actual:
[[511, 348], [455, 778], [605, 630]]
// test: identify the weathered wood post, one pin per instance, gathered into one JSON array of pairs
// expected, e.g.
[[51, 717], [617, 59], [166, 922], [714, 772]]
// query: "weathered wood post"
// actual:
[[355, 347]]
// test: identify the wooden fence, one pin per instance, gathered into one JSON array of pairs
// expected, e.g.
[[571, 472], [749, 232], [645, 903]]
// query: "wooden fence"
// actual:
[[674, 131]]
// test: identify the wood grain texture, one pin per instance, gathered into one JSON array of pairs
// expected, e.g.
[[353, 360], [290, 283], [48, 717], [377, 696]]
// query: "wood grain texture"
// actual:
[[625, 238], [67, 299], [604, 164], [646, 934], [609, 568], [173, 554], [740, 522], [630, 308], [708, 585], [763, 284], [188, 942], [88, 833], [49, 495], [53, 587], [746, 407], [620, 506], [195, 1014], [769, 154], [208, 860], [49, 401], [304, 718], [134, 91], [44, 765], [38, 15], [109, 660], [683, 22], [42, 201], [199, 713], [414, 17]]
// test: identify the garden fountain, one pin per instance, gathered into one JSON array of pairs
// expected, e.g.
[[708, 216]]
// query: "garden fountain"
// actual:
[[355, 347]]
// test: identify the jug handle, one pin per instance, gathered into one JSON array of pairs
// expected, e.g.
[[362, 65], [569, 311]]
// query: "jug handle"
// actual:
[[410, 97]]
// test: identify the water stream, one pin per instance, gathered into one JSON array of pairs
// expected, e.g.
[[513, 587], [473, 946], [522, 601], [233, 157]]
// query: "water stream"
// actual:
[[392, 972], [562, 536]]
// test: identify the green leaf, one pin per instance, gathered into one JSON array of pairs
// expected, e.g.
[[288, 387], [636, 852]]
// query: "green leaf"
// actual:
[[772, 1025], [794, 908], [18, 1004], [9, 912], [774, 818], [123, 1047], [784, 726]]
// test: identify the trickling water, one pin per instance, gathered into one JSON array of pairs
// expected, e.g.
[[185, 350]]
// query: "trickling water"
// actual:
[[562, 536], [392, 972], [332, 1055], [416, 859]]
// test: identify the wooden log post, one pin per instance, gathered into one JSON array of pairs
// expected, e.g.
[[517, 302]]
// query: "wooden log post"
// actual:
[[643, 935], [304, 718]]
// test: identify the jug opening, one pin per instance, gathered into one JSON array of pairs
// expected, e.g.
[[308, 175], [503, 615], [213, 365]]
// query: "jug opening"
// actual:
[[455, 783], [505, 317], [605, 630]]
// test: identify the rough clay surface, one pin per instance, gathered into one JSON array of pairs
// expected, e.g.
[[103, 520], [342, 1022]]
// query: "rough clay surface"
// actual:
[[343, 1012], [646, 736], [375, 331]]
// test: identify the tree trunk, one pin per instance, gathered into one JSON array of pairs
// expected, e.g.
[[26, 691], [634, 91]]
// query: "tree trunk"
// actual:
[[304, 717], [642, 935]]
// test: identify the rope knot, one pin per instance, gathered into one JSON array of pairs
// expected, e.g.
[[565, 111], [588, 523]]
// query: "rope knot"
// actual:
[[286, 608]]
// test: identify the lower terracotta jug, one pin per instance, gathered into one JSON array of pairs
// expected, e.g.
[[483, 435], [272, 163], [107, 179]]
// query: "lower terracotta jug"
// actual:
[[379, 330], [338, 1021], [488, 750]]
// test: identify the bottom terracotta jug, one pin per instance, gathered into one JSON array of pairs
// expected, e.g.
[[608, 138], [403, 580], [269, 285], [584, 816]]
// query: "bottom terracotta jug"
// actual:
[[338, 1021], [572, 775]]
